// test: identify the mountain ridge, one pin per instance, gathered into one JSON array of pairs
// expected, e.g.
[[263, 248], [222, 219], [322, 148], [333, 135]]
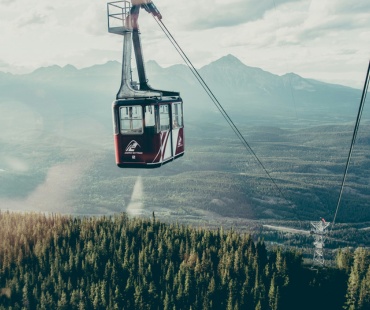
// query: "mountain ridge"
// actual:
[[248, 93], [227, 62]]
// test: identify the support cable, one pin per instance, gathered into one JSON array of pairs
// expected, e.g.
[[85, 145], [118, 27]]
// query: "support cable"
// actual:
[[355, 131], [215, 101]]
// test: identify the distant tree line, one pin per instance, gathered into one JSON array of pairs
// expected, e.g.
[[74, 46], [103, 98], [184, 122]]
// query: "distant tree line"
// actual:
[[60, 262]]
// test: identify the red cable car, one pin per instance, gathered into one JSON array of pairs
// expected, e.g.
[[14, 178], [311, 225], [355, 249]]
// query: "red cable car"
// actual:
[[148, 123]]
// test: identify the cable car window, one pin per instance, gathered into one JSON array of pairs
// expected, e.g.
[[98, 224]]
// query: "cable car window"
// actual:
[[164, 117], [131, 120], [150, 119], [177, 115]]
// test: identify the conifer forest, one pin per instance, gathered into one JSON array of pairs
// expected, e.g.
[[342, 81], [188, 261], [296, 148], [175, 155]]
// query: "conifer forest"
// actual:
[[64, 262]]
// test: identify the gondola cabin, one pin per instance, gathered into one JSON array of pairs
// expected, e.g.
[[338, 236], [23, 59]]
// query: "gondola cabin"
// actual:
[[148, 132]]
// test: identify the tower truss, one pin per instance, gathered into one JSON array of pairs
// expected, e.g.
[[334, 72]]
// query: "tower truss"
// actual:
[[319, 232]]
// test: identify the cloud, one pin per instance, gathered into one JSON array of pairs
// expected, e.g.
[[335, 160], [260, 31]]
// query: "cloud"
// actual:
[[232, 13], [343, 6], [3, 65], [93, 19], [13, 68], [35, 18], [333, 19]]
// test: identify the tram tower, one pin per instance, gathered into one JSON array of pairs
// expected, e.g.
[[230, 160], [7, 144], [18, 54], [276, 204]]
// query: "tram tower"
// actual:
[[319, 232]]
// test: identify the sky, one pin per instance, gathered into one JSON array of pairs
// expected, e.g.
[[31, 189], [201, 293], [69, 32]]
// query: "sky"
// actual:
[[327, 40]]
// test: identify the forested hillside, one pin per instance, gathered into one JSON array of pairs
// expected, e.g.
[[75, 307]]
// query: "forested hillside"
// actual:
[[59, 262]]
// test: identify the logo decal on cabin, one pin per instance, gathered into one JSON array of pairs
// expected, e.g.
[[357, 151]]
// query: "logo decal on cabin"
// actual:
[[133, 147]]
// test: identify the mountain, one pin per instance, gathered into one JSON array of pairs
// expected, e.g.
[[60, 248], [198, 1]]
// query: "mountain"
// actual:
[[247, 92], [252, 93]]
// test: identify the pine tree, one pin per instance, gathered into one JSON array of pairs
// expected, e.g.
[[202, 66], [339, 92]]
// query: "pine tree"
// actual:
[[364, 295], [62, 302], [272, 294], [358, 270], [344, 259], [75, 299], [26, 297], [167, 305], [258, 306]]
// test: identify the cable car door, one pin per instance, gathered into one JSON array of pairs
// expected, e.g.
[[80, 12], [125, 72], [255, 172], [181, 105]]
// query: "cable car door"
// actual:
[[177, 132], [166, 137]]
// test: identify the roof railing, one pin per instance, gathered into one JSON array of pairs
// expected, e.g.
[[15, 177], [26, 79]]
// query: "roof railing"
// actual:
[[118, 12]]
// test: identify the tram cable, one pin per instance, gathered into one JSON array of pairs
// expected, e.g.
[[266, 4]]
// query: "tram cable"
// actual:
[[216, 102], [354, 136]]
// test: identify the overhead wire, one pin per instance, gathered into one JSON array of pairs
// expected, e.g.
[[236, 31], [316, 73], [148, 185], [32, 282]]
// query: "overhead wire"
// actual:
[[216, 102], [354, 137]]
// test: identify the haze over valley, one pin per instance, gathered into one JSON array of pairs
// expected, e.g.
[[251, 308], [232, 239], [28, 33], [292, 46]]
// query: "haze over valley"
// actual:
[[57, 154]]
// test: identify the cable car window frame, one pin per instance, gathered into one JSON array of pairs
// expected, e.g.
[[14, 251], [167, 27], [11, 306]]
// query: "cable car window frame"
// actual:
[[134, 117], [115, 122], [151, 118], [164, 117], [177, 115]]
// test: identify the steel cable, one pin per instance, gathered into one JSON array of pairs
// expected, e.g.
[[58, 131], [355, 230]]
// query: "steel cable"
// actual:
[[354, 136]]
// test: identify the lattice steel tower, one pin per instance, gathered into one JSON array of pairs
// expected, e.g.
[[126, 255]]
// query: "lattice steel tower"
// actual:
[[319, 232]]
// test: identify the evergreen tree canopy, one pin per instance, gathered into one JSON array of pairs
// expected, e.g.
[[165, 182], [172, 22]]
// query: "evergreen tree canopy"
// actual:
[[60, 262]]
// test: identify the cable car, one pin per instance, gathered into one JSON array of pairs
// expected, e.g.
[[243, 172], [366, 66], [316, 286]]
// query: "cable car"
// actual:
[[148, 123], [148, 132]]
